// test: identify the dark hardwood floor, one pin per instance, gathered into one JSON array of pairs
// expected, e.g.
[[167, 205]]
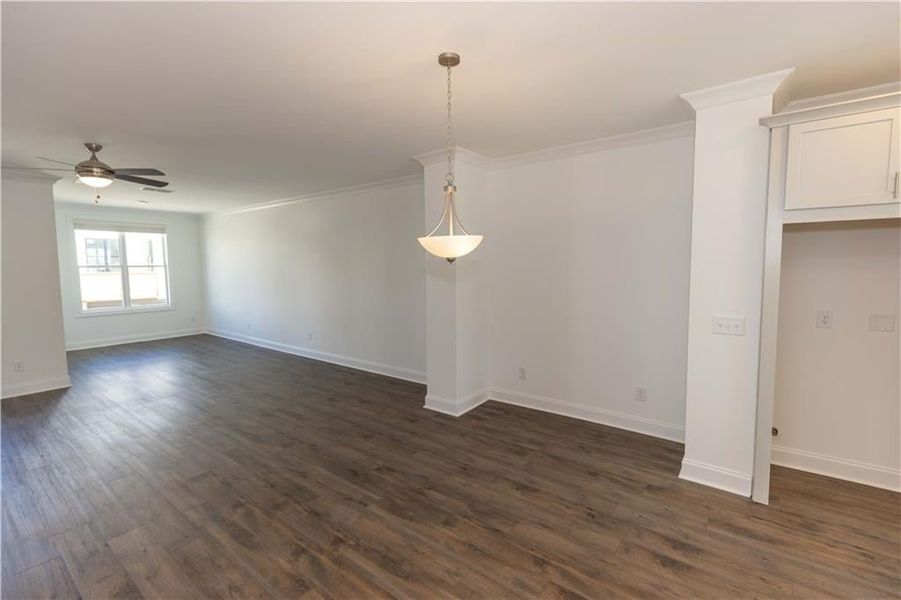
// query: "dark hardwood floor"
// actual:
[[204, 468]]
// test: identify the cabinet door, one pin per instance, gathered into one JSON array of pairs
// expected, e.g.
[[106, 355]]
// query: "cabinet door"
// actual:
[[843, 161]]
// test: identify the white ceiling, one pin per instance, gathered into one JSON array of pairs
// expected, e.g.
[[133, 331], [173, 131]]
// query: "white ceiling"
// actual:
[[246, 103]]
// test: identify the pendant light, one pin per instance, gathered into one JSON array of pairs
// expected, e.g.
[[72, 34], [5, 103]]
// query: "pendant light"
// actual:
[[458, 242]]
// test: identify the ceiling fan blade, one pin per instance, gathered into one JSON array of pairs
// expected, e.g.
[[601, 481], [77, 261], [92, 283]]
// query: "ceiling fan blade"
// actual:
[[59, 162], [155, 172], [141, 180], [36, 169]]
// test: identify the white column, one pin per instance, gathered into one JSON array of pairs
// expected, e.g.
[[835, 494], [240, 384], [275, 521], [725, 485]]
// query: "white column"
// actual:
[[731, 152], [455, 292], [33, 341]]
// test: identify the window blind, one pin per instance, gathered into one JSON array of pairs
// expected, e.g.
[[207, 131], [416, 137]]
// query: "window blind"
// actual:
[[119, 226]]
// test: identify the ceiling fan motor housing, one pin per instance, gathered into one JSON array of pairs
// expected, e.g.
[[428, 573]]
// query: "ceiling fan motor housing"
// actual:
[[94, 167]]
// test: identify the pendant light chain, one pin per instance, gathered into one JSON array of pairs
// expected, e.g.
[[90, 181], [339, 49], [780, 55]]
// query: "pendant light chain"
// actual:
[[450, 133]]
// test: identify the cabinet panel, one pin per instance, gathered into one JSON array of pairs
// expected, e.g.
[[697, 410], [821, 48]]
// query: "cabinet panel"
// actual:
[[843, 161]]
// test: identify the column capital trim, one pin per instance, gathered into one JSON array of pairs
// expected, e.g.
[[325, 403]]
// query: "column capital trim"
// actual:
[[460, 154], [735, 91]]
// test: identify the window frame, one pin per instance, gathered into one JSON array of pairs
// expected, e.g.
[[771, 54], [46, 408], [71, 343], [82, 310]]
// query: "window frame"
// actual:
[[127, 308]]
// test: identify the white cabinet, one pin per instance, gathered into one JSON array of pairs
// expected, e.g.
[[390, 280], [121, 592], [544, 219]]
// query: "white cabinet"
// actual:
[[849, 160]]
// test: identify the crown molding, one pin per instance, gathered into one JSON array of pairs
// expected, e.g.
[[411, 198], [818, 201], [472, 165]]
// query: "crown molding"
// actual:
[[384, 184], [744, 89], [892, 87], [645, 136], [460, 155], [838, 109], [634, 138], [31, 176]]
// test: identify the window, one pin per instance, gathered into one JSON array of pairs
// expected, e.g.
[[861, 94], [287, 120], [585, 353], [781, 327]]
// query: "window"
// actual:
[[121, 267], [102, 252]]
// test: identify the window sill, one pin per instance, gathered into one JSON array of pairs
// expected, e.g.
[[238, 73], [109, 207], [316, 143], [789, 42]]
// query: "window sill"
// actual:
[[122, 311]]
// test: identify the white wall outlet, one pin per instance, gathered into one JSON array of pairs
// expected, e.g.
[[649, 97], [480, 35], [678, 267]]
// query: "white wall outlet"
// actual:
[[824, 319], [249, 326], [723, 325], [309, 336], [193, 319], [522, 373], [18, 366], [883, 323], [641, 394]]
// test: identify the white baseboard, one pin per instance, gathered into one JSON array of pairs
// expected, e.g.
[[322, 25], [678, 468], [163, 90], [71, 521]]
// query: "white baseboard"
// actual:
[[840, 468], [130, 339], [652, 427], [643, 425], [717, 477], [456, 408], [337, 359], [35, 386]]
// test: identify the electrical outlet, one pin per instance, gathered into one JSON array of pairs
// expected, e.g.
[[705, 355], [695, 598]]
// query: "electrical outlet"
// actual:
[[309, 336], [641, 394], [18, 366], [193, 319], [249, 326], [522, 373], [883, 323], [824, 319], [728, 325]]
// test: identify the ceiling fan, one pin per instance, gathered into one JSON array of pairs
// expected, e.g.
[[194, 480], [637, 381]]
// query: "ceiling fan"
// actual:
[[97, 174]]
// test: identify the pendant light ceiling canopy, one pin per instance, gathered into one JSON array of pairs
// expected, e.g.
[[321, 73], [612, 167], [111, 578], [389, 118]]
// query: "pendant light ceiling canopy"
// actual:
[[457, 242]]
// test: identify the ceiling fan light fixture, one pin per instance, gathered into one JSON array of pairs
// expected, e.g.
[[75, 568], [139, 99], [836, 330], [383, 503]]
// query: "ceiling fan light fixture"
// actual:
[[95, 181], [94, 172]]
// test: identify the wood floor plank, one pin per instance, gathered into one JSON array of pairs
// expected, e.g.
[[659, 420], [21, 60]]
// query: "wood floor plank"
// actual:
[[153, 571], [50, 579], [201, 467], [214, 574], [275, 555], [96, 571], [168, 526]]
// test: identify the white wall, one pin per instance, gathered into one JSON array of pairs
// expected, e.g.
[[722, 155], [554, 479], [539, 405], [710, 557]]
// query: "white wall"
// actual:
[[582, 280], [187, 314], [32, 321], [340, 278], [837, 392], [588, 260]]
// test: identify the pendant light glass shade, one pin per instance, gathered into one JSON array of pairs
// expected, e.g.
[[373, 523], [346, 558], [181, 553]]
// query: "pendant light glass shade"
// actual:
[[450, 247], [453, 245]]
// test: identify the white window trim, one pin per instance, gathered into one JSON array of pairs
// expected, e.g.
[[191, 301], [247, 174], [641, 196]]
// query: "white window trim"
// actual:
[[104, 312], [126, 309]]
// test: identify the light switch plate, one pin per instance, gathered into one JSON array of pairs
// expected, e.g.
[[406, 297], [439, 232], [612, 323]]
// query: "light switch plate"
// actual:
[[883, 323], [723, 325]]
